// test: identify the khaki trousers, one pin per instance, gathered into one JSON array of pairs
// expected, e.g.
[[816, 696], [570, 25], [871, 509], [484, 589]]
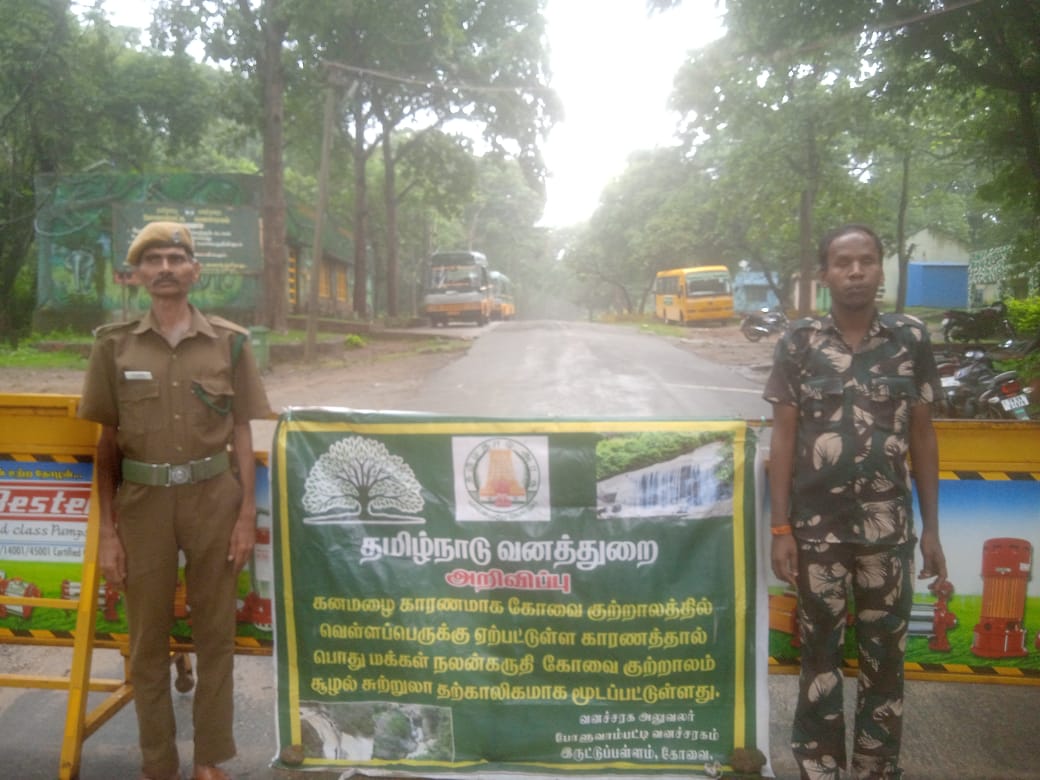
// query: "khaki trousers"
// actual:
[[155, 523]]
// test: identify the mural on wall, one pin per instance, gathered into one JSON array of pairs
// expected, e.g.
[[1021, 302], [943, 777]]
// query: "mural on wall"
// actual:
[[85, 224]]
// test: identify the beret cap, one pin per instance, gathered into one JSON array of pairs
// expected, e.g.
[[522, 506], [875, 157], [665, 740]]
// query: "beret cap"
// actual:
[[156, 234]]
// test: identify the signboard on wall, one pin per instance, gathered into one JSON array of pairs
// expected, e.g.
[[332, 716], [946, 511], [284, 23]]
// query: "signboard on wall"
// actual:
[[227, 245], [85, 223], [549, 598]]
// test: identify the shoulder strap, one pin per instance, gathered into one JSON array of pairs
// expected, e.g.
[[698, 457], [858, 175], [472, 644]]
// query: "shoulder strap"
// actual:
[[237, 343]]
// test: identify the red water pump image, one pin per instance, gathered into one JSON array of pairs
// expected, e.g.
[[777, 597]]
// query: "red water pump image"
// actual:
[[1000, 632], [942, 620], [108, 597], [16, 586]]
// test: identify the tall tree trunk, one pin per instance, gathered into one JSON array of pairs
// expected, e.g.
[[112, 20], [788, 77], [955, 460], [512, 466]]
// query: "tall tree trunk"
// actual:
[[1030, 136], [902, 253], [390, 197], [360, 213], [377, 271], [806, 219], [807, 266], [310, 352], [275, 251]]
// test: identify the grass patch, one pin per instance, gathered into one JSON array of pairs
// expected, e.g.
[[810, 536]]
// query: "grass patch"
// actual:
[[27, 356], [395, 349], [646, 323], [437, 346], [69, 351]]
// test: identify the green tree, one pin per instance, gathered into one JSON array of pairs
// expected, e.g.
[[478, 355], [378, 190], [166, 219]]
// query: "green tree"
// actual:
[[500, 221], [481, 67], [75, 96], [980, 57], [250, 39], [791, 115], [407, 66], [967, 47]]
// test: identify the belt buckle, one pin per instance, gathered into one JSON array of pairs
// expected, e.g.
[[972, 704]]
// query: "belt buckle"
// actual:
[[180, 474]]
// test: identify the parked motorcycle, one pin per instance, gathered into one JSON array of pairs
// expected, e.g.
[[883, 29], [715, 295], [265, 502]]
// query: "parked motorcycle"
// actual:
[[764, 322], [974, 390], [1005, 398], [979, 325], [965, 384]]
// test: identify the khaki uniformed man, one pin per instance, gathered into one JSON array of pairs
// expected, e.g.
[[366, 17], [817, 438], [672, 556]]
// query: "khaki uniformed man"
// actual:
[[174, 393]]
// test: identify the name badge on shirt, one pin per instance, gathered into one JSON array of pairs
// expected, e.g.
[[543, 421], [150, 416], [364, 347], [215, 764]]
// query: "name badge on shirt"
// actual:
[[130, 376]]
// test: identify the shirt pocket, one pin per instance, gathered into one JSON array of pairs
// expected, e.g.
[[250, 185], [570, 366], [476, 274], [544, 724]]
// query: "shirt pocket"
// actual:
[[890, 399], [140, 406], [823, 399], [212, 399]]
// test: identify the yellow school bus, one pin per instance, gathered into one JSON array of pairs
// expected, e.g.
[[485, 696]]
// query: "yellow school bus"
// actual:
[[699, 294], [503, 306]]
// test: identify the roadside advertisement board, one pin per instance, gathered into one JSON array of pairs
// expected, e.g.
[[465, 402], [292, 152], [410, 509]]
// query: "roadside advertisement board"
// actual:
[[985, 626], [492, 596], [44, 503]]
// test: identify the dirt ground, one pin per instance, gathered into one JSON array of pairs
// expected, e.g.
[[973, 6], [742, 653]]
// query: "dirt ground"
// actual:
[[388, 369]]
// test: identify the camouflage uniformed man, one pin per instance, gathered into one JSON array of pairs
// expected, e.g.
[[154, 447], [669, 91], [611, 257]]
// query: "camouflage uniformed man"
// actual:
[[851, 395], [174, 393]]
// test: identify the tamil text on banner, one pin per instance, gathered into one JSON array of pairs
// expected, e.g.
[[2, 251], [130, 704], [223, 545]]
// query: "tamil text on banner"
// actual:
[[490, 596]]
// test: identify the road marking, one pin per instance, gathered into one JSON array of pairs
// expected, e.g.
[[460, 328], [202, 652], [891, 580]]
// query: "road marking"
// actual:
[[755, 391]]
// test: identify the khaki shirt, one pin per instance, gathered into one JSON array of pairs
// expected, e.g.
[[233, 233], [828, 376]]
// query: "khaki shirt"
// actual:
[[172, 404]]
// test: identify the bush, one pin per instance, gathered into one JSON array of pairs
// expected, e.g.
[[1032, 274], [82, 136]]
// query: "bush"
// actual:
[[353, 341], [1025, 316]]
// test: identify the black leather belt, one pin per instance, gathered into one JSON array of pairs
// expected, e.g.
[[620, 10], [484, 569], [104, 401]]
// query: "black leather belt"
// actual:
[[167, 474]]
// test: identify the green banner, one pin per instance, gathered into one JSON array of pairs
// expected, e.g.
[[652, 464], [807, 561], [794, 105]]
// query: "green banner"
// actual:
[[544, 597]]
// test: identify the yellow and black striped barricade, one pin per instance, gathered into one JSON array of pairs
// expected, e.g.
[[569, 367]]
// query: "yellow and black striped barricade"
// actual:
[[46, 457], [51, 592]]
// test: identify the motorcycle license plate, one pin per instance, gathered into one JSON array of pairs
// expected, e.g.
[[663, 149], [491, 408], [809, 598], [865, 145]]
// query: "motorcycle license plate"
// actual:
[[1014, 402]]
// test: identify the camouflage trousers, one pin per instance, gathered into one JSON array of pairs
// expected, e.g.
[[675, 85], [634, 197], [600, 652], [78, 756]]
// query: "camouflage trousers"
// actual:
[[880, 583]]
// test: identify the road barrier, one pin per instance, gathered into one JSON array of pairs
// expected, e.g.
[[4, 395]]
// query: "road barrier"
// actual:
[[51, 592], [49, 531]]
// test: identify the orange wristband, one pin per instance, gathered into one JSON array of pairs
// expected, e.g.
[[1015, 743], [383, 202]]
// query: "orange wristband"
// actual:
[[780, 530]]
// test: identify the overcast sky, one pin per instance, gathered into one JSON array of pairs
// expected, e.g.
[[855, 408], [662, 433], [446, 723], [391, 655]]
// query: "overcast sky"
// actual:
[[612, 66]]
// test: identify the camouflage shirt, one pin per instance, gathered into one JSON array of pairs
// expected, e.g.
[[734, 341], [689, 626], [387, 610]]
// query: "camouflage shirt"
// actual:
[[851, 479]]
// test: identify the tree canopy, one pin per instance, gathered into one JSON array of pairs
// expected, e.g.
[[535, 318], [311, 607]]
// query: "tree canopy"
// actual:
[[75, 96], [906, 114]]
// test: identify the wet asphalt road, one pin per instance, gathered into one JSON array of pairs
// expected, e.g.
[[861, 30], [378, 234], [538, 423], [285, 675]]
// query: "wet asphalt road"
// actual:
[[575, 369], [953, 730]]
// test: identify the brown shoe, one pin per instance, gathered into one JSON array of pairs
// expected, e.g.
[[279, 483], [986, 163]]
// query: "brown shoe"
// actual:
[[207, 772]]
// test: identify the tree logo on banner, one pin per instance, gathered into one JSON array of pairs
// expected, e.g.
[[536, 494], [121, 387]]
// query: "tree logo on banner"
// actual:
[[358, 480]]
